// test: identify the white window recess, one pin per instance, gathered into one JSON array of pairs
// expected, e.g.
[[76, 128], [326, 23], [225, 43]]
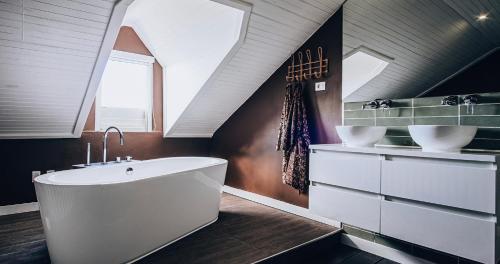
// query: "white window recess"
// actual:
[[124, 98], [359, 67], [191, 40]]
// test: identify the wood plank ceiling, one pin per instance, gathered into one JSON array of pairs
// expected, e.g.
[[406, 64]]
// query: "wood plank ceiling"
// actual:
[[429, 40], [51, 52], [276, 28]]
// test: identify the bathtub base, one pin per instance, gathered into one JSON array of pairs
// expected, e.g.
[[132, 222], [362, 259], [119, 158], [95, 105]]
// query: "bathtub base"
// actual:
[[173, 241]]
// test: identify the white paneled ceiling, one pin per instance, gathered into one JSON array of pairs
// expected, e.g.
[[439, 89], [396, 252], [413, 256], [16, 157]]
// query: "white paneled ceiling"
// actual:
[[52, 53], [428, 39], [275, 29]]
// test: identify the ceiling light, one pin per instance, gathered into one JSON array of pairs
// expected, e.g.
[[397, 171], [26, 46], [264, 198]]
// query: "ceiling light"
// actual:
[[482, 17]]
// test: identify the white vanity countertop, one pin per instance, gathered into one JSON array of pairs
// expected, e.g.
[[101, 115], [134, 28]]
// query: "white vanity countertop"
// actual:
[[411, 152]]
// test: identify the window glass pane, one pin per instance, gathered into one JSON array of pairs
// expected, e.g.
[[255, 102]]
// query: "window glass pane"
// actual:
[[358, 69], [125, 85]]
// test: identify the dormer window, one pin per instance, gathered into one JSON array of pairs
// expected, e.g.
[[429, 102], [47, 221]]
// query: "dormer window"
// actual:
[[125, 94], [359, 67]]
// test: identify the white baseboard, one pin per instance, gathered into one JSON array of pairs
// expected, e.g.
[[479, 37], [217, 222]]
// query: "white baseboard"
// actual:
[[290, 208], [18, 208], [381, 250]]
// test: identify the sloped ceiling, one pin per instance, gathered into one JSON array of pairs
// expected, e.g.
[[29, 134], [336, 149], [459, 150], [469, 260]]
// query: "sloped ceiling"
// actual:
[[275, 29], [428, 39], [52, 53]]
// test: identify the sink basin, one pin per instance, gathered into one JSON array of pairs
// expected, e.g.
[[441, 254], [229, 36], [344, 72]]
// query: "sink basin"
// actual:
[[442, 138], [360, 136]]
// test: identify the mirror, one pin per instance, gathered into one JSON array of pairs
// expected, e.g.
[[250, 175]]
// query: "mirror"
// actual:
[[405, 49]]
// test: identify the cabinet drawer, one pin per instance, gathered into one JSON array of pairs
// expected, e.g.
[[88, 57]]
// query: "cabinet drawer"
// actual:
[[351, 207], [453, 232], [461, 184], [350, 170]]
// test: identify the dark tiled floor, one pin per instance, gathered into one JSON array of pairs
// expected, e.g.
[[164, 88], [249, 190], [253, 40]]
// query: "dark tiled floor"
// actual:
[[245, 232], [326, 250], [22, 239]]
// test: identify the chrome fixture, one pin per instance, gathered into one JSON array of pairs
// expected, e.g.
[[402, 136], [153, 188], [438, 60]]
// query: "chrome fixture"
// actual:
[[128, 158], [105, 142], [471, 99], [386, 103], [372, 104], [469, 102], [450, 100], [88, 154]]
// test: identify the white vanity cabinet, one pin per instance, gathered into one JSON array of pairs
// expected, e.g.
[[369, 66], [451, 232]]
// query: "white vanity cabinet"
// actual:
[[349, 170], [356, 208], [444, 201], [346, 187], [462, 184]]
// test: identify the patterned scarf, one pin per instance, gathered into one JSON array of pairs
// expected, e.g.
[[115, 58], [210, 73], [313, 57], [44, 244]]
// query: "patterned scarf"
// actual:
[[294, 138]]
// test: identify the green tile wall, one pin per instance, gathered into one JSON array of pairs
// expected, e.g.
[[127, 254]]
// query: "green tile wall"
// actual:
[[429, 111]]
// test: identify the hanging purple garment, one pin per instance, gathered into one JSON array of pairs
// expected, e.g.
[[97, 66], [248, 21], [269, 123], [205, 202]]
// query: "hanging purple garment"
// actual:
[[294, 138]]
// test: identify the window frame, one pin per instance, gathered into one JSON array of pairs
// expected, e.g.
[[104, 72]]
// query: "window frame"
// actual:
[[129, 57]]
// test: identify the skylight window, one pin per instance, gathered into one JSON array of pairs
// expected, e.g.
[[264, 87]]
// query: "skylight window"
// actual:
[[124, 98], [359, 67]]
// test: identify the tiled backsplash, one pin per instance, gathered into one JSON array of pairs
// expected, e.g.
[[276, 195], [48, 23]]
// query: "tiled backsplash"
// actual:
[[429, 111]]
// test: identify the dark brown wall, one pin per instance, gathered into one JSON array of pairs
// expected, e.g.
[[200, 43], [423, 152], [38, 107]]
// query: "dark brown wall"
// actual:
[[482, 77], [248, 138], [19, 157]]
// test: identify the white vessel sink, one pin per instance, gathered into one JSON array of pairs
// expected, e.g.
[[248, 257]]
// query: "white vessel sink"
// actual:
[[360, 136], [442, 138]]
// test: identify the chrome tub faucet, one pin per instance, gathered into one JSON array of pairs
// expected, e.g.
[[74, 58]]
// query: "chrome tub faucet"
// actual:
[[105, 142]]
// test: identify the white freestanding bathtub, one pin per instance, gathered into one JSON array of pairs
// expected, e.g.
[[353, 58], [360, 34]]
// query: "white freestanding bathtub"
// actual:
[[119, 213]]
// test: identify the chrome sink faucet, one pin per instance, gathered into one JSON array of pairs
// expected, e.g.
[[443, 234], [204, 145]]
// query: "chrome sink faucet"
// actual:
[[105, 142], [372, 105], [450, 100]]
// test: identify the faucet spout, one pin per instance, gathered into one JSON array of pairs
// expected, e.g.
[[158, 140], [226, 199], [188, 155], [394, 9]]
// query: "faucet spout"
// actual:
[[105, 141]]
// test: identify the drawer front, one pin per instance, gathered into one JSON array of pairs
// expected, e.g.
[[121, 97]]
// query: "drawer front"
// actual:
[[467, 185], [347, 206], [350, 170], [456, 233]]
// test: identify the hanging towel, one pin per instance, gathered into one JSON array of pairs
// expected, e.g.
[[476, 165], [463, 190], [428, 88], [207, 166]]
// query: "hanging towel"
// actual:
[[294, 138]]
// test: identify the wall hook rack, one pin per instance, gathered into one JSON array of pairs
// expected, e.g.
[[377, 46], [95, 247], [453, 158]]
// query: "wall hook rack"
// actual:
[[307, 70]]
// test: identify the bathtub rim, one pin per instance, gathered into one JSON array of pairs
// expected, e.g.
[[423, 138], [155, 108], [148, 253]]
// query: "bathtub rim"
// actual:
[[44, 178]]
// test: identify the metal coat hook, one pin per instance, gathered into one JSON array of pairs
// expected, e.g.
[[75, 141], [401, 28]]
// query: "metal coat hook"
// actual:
[[307, 70]]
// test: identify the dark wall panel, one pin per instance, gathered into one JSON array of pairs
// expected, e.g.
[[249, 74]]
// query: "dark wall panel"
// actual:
[[249, 137], [20, 157]]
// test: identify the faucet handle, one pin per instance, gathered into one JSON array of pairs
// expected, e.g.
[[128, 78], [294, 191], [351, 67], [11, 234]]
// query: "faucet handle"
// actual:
[[471, 99], [450, 100], [128, 158], [386, 103]]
